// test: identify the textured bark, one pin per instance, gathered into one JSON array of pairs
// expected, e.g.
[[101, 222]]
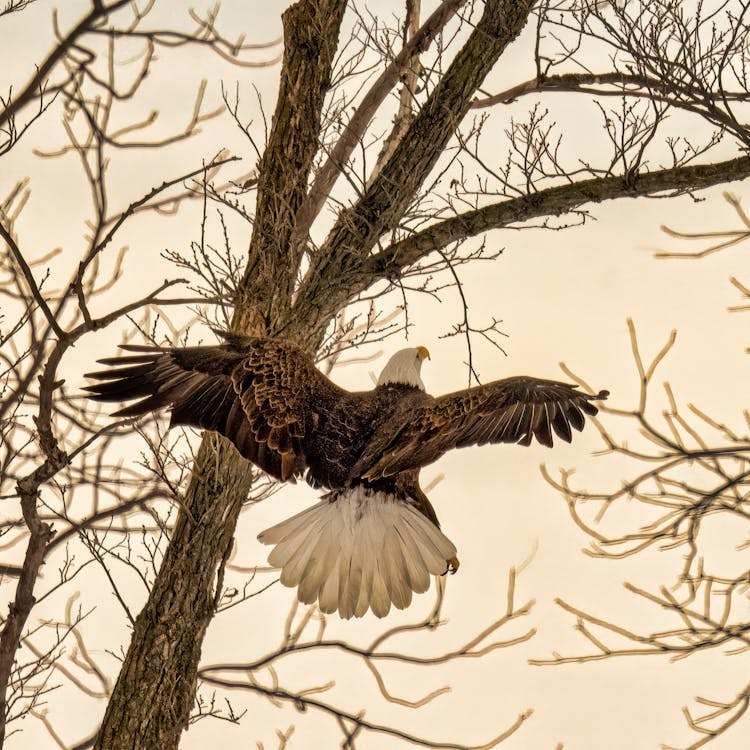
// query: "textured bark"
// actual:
[[40, 535], [310, 39], [155, 691]]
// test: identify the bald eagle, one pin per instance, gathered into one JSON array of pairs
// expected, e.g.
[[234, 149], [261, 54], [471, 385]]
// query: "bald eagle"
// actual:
[[374, 538]]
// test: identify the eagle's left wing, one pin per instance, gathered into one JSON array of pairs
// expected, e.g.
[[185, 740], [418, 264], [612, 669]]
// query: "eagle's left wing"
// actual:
[[261, 393], [514, 410]]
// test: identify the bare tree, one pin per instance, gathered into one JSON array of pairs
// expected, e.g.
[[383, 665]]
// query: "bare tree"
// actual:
[[323, 256]]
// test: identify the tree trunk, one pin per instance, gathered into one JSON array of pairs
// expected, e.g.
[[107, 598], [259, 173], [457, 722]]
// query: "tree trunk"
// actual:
[[155, 691]]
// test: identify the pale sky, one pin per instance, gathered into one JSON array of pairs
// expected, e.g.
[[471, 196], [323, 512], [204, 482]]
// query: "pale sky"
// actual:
[[562, 296]]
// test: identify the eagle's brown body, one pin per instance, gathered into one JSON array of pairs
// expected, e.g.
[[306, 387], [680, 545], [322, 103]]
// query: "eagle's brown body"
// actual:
[[347, 425], [374, 538]]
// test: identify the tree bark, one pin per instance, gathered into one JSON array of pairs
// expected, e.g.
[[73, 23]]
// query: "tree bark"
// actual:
[[354, 129], [310, 40], [155, 691]]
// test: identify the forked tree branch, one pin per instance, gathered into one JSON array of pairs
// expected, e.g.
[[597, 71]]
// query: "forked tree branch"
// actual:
[[387, 198], [355, 128]]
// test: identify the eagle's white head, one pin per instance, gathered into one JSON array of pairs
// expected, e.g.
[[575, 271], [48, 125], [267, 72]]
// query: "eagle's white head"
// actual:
[[404, 367]]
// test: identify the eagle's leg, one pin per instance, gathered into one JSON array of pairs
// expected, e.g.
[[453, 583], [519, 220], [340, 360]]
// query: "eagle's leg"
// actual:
[[409, 482]]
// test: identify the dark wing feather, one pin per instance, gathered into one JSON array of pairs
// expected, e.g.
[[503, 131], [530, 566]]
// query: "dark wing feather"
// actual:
[[260, 393], [514, 410]]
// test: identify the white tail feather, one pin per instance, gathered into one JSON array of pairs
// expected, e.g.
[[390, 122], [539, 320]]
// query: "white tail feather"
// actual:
[[358, 550]]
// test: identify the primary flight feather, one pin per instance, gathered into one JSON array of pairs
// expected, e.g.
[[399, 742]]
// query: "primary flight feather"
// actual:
[[374, 538]]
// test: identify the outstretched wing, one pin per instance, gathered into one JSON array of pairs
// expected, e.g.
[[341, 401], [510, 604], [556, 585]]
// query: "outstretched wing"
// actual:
[[514, 410], [260, 393]]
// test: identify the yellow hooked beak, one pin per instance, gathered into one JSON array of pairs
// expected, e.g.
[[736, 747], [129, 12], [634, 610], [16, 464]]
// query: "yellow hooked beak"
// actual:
[[423, 353]]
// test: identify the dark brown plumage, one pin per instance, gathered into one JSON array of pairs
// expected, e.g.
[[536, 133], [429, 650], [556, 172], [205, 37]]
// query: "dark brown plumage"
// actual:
[[351, 550]]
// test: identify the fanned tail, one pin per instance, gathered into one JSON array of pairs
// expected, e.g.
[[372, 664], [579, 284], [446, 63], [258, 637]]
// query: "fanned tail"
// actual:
[[357, 550]]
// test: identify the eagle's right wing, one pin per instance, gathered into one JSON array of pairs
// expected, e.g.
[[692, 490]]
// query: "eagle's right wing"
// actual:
[[513, 410], [260, 393]]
